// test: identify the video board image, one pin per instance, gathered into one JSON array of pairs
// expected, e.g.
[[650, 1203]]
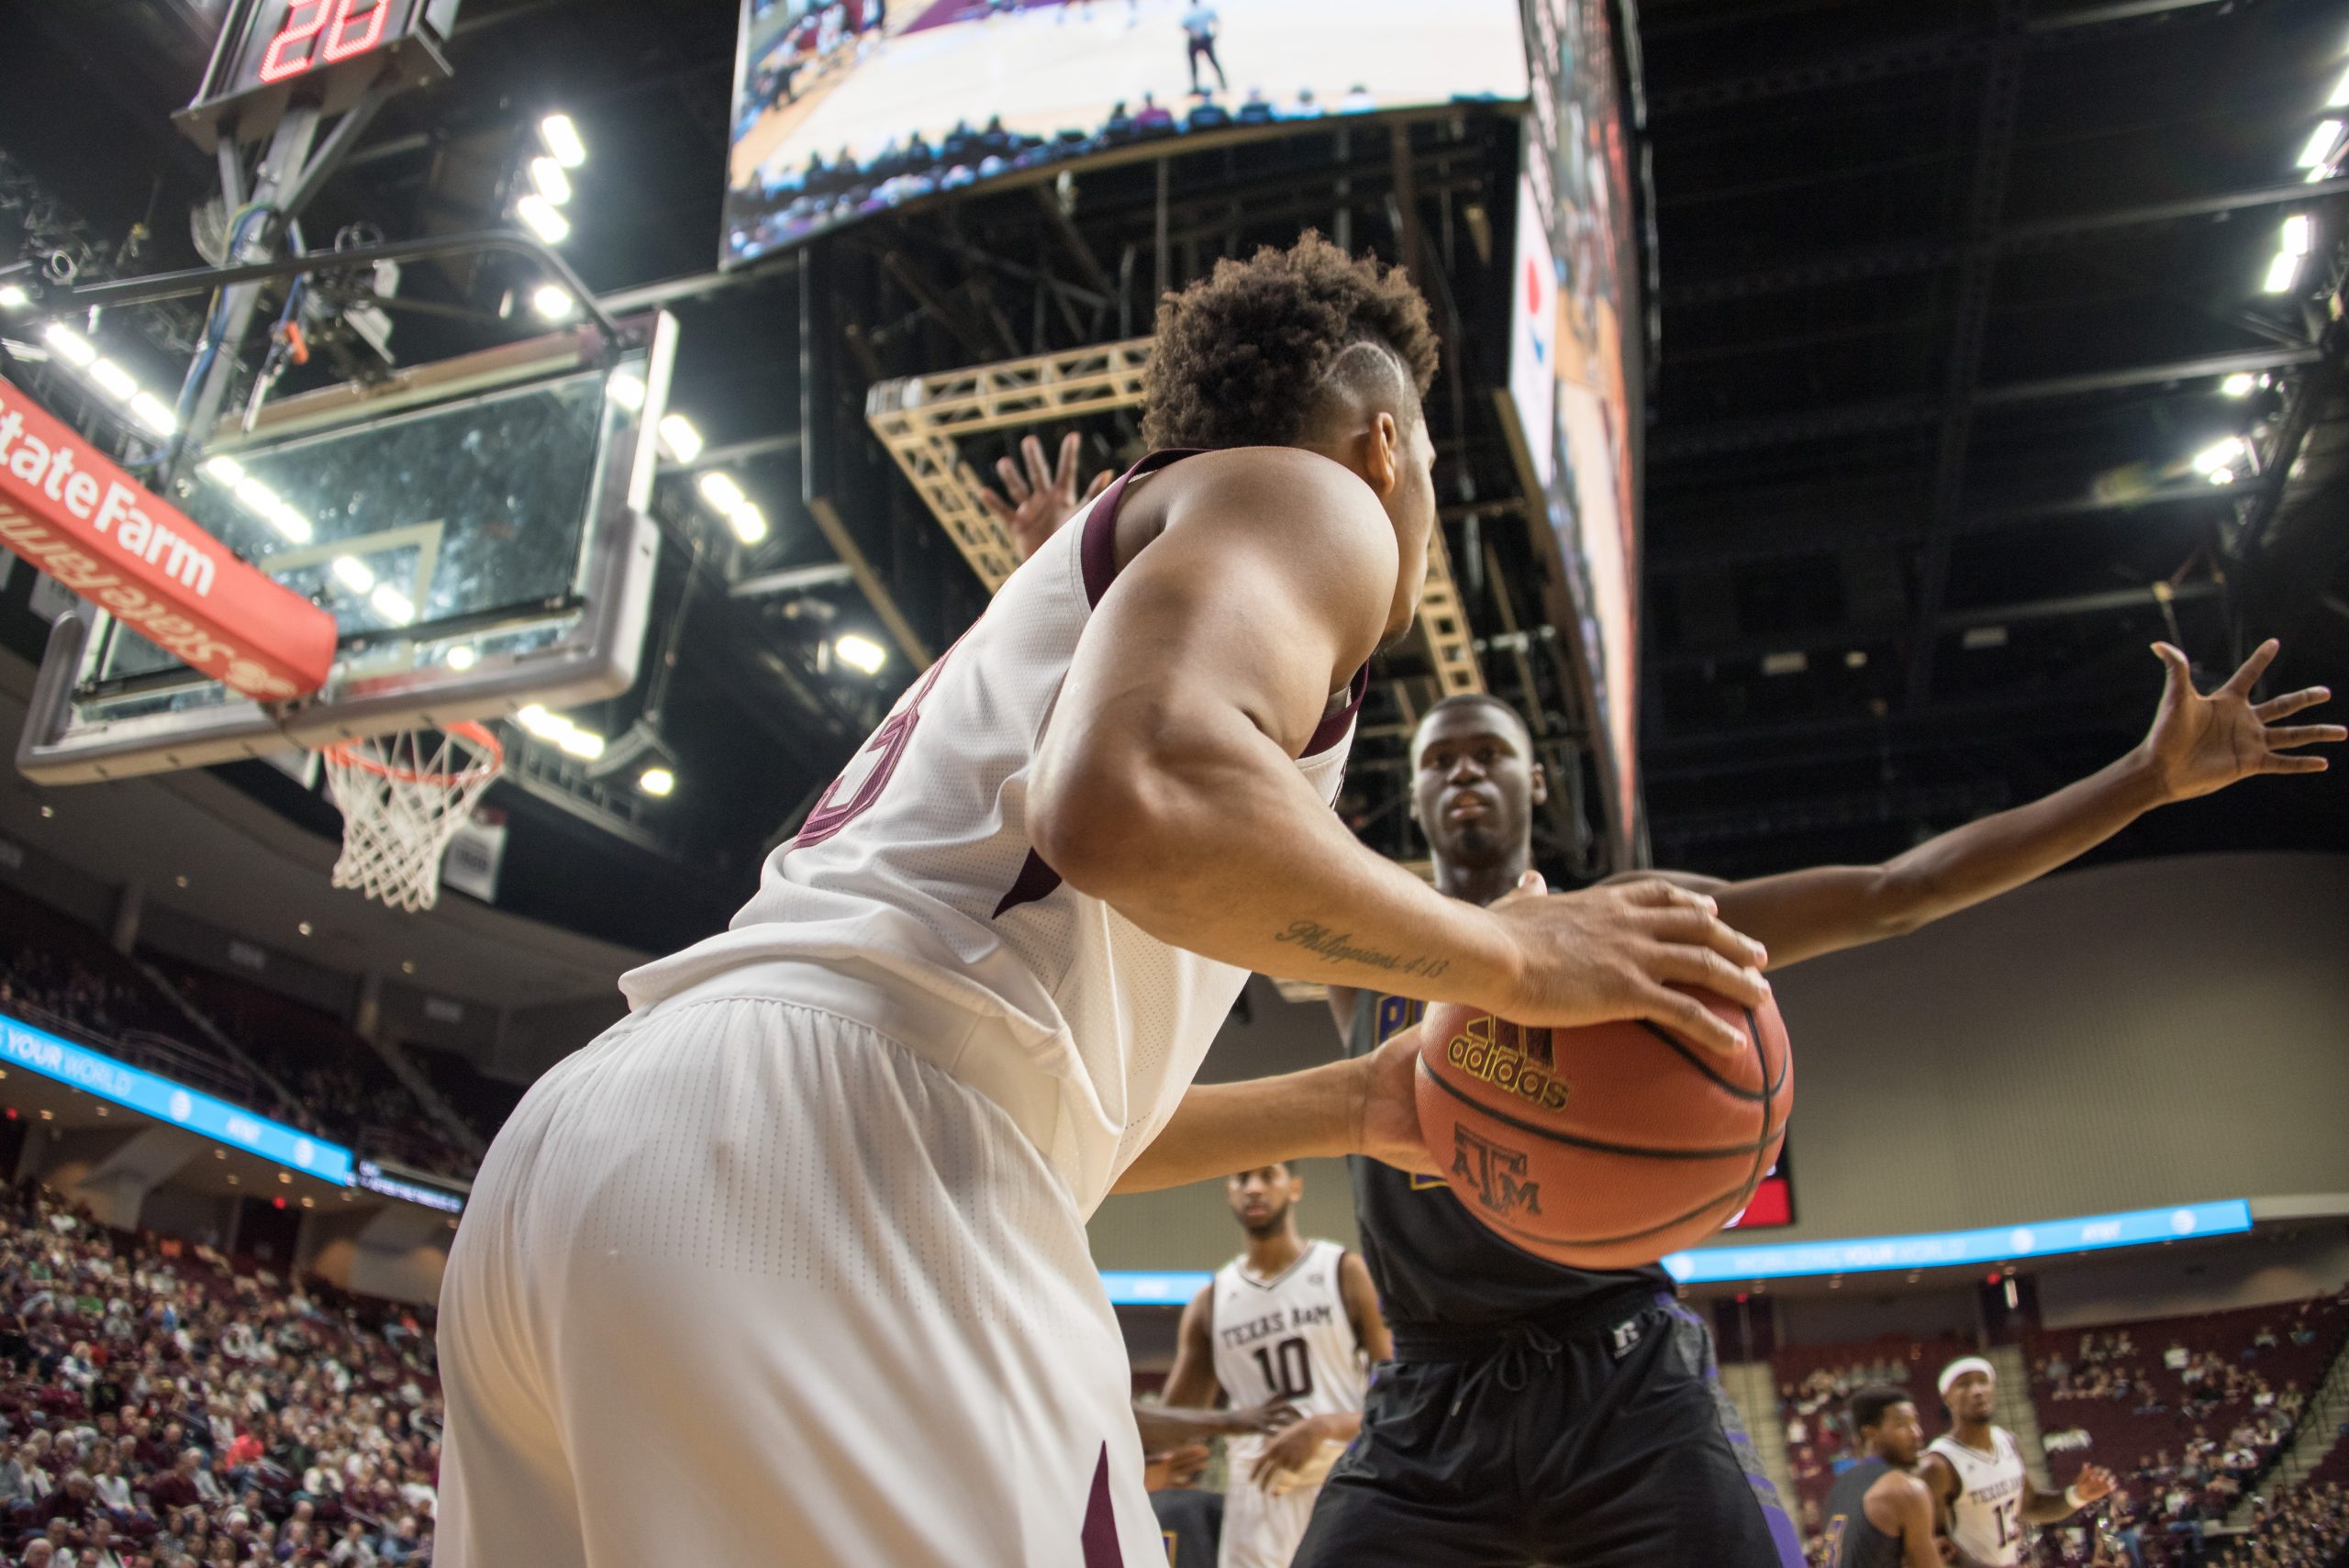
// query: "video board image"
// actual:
[[1572, 375], [847, 107]]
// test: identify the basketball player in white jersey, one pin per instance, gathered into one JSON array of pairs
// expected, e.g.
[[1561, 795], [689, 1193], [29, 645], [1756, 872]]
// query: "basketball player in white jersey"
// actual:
[[1290, 1323], [1983, 1497], [792, 1260]]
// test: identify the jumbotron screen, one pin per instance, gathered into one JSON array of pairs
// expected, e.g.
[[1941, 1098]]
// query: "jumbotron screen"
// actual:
[[844, 108], [1772, 1207], [1574, 365]]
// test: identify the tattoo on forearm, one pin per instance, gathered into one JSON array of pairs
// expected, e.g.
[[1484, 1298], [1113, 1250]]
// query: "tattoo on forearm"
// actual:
[[1339, 947]]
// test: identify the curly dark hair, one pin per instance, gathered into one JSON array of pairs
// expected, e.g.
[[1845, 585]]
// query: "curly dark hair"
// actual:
[[1245, 357]]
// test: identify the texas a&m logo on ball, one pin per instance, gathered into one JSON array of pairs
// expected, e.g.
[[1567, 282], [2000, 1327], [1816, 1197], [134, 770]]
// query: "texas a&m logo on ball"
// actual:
[[1494, 1172]]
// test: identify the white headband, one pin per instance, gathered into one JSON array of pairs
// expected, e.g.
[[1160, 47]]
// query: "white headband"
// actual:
[[1962, 1365]]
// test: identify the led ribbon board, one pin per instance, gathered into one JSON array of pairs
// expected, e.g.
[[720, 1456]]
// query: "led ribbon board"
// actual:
[[1999, 1244], [1128, 1288], [38, 1050]]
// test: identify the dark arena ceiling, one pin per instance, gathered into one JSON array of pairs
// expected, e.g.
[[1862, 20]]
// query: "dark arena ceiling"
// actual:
[[1949, 294]]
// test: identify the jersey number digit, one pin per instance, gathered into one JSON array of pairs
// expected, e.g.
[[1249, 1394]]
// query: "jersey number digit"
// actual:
[[2009, 1516], [1287, 1369], [888, 744]]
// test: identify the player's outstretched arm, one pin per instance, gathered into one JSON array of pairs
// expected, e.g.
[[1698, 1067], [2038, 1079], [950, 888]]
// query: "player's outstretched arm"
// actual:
[[1166, 783], [2196, 746], [1190, 1413], [2039, 1507]]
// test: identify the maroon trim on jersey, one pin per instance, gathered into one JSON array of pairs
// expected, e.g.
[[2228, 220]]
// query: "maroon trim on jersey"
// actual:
[[1333, 729], [1099, 1538], [1035, 882], [1098, 549]]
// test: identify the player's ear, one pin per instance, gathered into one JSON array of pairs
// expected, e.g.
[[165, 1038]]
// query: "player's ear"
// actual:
[[1382, 458], [1541, 782]]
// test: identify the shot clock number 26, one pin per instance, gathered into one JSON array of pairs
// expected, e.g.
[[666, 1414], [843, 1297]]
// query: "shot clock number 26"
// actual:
[[273, 54], [320, 32]]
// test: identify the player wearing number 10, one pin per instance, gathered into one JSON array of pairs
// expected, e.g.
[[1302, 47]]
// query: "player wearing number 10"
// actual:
[[1287, 1325], [807, 1228]]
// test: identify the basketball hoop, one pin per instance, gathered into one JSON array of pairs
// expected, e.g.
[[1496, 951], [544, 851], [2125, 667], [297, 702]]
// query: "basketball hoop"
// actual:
[[403, 797]]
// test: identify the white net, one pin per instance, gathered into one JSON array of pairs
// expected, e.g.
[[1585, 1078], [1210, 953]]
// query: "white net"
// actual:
[[403, 797]]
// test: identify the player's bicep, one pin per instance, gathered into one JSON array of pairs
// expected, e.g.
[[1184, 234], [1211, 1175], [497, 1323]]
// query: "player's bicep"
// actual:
[[1269, 587]]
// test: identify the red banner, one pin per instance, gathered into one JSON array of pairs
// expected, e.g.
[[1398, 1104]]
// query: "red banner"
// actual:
[[74, 515]]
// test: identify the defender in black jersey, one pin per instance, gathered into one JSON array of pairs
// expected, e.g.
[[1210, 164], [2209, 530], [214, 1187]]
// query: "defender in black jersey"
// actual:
[[1878, 1514], [1539, 1415]]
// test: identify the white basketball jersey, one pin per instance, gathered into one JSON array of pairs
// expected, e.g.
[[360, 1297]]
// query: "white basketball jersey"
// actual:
[[915, 871], [1287, 1340], [1985, 1522]]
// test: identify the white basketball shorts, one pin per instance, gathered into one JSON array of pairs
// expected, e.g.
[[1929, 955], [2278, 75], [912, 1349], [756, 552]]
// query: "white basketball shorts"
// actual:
[[746, 1284], [1261, 1528]]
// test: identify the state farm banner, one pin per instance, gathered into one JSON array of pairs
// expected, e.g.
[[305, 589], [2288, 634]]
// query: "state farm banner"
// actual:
[[75, 516]]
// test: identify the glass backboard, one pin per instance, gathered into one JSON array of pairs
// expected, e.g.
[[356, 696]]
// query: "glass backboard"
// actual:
[[479, 529]]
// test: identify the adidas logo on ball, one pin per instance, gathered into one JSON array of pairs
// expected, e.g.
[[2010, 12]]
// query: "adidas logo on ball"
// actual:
[[1478, 1054]]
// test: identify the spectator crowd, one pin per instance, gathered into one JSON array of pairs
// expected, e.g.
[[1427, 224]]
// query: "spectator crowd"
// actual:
[[162, 1408]]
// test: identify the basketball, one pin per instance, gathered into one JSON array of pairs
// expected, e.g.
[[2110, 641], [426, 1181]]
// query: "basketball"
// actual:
[[1604, 1147]]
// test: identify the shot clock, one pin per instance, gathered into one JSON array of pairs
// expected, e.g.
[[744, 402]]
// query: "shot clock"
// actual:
[[276, 54]]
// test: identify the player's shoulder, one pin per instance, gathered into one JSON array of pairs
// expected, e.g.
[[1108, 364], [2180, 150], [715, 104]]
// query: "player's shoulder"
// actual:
[[1895, 1483], [1313, 497]]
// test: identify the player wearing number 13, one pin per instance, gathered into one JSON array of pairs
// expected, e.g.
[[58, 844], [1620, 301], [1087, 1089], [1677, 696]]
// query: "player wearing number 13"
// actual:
[[1982, 1494], [809, 1223]]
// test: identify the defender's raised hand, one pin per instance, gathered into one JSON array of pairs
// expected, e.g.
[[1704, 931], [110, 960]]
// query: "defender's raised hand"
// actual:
[[1034, 505], [1616, 950], [2200, 745]]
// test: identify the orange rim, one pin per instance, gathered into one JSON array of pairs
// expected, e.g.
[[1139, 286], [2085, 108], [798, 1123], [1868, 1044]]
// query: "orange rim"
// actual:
[[346, 753]]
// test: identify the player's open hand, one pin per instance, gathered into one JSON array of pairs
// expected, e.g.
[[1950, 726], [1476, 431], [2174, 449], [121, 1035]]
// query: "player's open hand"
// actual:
[[1034, 505], [2201, 744], [1619, 950], [2094, 1482], [1292, 1448], [1181, 1467]]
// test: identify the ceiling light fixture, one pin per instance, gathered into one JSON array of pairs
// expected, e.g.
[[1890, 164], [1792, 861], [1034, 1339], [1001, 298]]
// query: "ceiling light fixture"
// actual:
[[2319, 150], [657, 781], [2220, 454], [562, 134], [14, 298], [626, 390], [2281, 273], [69, 345], [861, 653], [553, 302], [2299, 234], [114, 380], [720, 490], [2238, 384], [150, 411], [678, 434], [750, 524], [544, 220], [551, 182]]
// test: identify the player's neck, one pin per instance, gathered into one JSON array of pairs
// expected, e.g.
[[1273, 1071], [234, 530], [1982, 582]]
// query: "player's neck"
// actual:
[[1976, 1434], [1482, 884], [1270, 1256]]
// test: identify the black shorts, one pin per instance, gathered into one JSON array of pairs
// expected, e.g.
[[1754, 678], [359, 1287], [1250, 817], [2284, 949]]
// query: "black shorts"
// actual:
[[1613, 1447]]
